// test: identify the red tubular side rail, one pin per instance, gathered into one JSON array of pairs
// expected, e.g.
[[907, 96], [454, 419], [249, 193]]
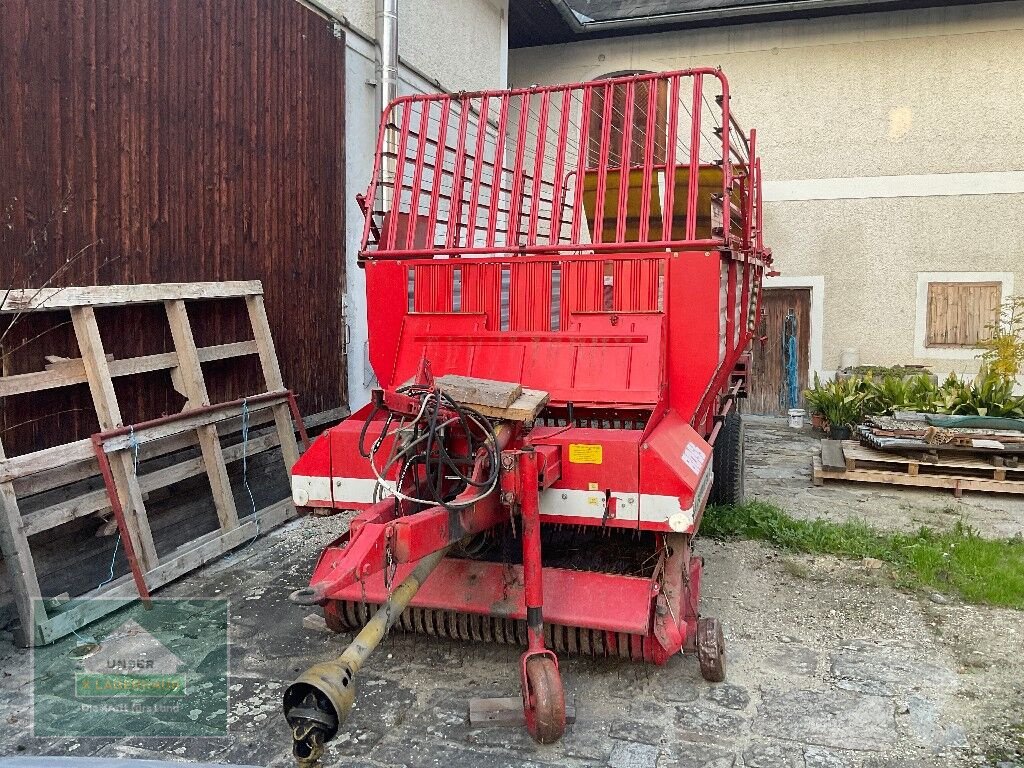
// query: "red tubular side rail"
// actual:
[[581, 168]]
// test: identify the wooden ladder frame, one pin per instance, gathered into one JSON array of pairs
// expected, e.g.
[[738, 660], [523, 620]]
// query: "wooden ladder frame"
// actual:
[[52, 467]]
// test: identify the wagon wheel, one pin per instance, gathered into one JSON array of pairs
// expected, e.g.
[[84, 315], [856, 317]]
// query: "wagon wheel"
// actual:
[[711, 649], [729, 462], [546, 718]]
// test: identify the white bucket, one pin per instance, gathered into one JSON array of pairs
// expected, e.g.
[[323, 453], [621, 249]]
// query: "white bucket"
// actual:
[[849, 358], [796, 417]]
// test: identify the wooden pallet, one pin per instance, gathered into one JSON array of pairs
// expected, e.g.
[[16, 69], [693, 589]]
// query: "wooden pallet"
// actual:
[[867, 465], [61, 465]]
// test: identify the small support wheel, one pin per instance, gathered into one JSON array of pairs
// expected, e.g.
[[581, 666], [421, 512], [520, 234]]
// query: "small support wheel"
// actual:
[[711, 649], [545, 716]]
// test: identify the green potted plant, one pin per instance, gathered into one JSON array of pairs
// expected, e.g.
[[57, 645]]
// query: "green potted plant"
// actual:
[[840, 402], [813, 397], [1004, 348]]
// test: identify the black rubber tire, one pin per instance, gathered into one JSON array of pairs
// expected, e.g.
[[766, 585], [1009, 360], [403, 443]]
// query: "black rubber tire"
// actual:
[[728, 462]]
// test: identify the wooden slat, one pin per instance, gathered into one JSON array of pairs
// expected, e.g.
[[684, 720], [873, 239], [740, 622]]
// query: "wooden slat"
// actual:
[[525, 408], [195, 554], [71, 372], [192, 380], [832, 455], [21, 569], [272, 376], [52, 467], [957, 484], [46, 459], [45, 477], [860, 453], [35, 299], [506, 711], [98, 501], [57, 514], [186, 423], [109, 415], [474, 392], [959, 313]]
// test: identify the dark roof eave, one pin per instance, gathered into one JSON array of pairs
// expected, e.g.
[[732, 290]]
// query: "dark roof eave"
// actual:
[[562, 25]]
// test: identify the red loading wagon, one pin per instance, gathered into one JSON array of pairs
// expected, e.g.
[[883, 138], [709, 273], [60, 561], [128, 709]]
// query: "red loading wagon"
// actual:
[[590, 258]]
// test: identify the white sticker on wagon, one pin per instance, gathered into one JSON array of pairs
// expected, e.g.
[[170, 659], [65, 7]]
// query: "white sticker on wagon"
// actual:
[[694, 457]]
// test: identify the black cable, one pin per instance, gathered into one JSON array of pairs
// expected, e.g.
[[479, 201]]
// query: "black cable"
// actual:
[[437, 462], [362, 433]]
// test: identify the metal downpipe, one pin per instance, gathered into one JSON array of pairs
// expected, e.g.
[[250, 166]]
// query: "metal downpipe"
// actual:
[[386, 32]]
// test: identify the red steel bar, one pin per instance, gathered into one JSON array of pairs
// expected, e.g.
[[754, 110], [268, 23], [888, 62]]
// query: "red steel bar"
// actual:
[[538, 165], [581, 150], [396, 188], [668, 206], [518, 183], [726, 160], [650, 142], [695, 136], [655, 245], [563, 131], [417, 179], [533, 576], [499, 153], [138, 575], [458, 173], [730, 308], [597, 233], [478, 167], [439, 153], [625, 164]]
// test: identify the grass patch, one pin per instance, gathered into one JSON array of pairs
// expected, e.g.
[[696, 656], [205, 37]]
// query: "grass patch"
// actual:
[[959, 561]]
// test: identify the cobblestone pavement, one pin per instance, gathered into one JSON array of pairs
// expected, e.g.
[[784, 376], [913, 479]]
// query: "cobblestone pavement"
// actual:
[[829, 665]]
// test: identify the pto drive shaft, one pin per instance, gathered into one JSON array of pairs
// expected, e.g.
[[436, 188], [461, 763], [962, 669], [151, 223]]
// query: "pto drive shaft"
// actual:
[[318, 702]]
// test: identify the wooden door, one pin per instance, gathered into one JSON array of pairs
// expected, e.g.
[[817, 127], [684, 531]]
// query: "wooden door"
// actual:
[[787, 314]]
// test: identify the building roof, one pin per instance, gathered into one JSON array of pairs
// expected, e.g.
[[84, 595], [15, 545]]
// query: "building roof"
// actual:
[[544, 22]]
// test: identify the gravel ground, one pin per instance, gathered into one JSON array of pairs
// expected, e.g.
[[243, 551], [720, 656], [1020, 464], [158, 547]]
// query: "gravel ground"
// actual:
[[829, 665], [779, 470]]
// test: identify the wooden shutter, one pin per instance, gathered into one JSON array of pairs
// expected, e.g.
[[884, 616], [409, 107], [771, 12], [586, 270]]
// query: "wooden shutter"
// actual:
[[959, 314]]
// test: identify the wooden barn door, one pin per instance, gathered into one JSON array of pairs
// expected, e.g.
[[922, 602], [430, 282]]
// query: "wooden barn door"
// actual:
[[787, 313]]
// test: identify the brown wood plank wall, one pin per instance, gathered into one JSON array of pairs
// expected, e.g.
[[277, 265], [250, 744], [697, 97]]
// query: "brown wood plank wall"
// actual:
[[171, 140]]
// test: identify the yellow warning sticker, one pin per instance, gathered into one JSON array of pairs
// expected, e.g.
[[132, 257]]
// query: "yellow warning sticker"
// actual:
[[582, 453]]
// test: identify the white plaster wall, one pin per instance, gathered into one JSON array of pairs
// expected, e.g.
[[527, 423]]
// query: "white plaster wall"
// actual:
[[460, 43], [361, 127], [839, 103]]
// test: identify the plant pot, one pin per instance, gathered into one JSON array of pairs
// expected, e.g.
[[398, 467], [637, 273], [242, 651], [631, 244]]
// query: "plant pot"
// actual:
[[818, 422], [840, 433]]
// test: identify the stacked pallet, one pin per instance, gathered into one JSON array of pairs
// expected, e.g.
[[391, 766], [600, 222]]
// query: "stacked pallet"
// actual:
[[109, 476], [957, 471]]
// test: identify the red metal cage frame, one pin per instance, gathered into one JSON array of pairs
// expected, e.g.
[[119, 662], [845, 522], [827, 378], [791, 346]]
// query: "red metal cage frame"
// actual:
[[592, 167]]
